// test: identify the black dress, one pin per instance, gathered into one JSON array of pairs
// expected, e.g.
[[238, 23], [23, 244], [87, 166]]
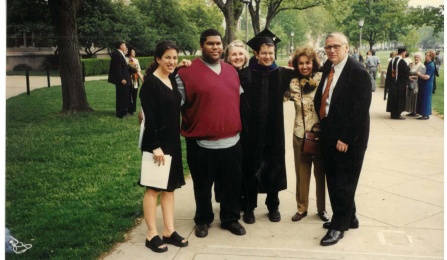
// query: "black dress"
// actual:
[[161, 107]]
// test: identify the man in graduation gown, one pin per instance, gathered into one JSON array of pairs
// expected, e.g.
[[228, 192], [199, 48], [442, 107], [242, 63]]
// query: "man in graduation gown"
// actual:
[[263, 145], [397, 80]]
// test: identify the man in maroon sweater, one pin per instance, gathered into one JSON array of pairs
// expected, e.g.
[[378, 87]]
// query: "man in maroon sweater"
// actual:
[[211, 124]]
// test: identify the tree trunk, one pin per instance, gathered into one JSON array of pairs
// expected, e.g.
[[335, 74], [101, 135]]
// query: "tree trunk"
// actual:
[[74, 98], [254, 13], [231, 10]]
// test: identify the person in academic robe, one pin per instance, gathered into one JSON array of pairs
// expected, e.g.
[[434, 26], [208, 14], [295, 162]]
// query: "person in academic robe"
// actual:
[[264, 145], [397, 80]]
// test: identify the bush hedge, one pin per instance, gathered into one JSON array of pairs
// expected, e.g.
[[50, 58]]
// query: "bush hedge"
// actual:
[[101, 66]]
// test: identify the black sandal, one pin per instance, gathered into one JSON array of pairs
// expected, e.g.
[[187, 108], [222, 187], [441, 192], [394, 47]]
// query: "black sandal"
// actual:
[[155, 244], [175, 239]]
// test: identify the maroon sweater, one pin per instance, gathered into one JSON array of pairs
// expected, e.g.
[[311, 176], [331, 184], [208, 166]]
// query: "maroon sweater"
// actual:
[[211, 109]]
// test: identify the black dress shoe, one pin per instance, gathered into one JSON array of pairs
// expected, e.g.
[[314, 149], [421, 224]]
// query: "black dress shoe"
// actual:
[[274, 216], [323, 215], [331, 238], [423, 118], [298, 216], [249, 217], [235, 228], [353, 225], [201, 230]]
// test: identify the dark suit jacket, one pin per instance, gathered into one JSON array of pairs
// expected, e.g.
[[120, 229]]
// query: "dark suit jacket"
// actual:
[[118, 69], [348, 118]]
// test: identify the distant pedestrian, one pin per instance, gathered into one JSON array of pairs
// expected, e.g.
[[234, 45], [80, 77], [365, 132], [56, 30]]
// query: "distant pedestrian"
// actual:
[[135, 76], [397, 80], [426, 87], [373, 65], [120, 76], [413, 89]]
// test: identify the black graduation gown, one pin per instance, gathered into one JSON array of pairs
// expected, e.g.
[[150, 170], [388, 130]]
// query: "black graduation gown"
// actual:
[[263, 139], [397, 89]]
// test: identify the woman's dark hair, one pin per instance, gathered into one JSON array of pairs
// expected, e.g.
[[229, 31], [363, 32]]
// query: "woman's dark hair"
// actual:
[[310, 53], [160, 49], [129, 50]]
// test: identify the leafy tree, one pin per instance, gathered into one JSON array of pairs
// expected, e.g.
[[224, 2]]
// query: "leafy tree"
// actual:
[[103, 22], [383, 21], [29, 16], [429, 16], [74, 98], [174, 26], [274, 7], [203, 16]]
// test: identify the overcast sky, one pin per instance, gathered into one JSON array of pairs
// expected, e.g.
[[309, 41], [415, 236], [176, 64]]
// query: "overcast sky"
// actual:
[[424, 3]]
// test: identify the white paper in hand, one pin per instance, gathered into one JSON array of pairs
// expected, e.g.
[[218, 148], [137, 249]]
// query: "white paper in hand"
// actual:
[[153, 175]]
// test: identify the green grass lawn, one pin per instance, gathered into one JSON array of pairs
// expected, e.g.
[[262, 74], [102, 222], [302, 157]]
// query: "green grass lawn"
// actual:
[[70, 179]]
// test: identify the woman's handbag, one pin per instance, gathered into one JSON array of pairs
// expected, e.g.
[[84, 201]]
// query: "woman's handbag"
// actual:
[[311, 143], [311, 139]]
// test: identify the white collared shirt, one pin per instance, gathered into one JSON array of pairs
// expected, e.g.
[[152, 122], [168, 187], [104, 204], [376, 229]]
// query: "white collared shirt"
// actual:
[[337, 71]]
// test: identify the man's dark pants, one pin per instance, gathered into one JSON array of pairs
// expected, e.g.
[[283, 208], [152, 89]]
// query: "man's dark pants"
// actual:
[[122, 99], [223, 166], [342, 176]]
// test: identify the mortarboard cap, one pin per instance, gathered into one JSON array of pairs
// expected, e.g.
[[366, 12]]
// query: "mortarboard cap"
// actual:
[[264, 37]]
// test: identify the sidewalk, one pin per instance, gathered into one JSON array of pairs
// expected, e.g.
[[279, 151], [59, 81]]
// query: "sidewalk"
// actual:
[[400, 205], [16, 85]]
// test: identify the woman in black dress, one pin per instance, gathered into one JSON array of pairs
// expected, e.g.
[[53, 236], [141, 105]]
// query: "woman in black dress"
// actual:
[[160, 101]]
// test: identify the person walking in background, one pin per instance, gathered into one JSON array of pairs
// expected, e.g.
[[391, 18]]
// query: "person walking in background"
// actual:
[[342, 100], [396, 82], [355, 55], [160, 101], [302, 92], [135, 76], [211, 91], [426, 87], [120, 76], [438, 62], [264, 149], [372, 63], [412, 90]]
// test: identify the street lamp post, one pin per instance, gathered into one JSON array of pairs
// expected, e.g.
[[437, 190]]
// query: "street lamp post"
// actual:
[[246, 2], [291, 46], [361, 21]]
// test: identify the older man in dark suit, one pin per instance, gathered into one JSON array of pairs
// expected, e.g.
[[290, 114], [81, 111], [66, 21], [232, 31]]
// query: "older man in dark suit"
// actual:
[[342, 99], [120, 76]]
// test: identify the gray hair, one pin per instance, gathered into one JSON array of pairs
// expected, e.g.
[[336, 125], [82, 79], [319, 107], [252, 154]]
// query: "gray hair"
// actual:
[[340, 35]]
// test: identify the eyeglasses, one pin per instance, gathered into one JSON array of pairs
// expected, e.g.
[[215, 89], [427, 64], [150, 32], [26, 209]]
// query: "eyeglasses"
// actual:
[[336, 47]]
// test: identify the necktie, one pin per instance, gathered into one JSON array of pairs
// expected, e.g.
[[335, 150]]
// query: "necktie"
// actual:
[[326, 94]]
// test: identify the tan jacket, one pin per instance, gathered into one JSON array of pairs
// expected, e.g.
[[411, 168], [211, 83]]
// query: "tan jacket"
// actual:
[[308, 102]]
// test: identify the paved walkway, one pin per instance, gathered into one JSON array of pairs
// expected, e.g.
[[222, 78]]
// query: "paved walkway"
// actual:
[[400, 202], [16, 85], [400, 206]]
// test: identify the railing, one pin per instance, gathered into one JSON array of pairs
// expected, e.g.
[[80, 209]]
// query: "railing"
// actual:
[[47, 67]]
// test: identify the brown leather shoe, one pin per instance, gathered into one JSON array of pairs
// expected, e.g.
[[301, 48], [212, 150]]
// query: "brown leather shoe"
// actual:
[[298, 216]]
